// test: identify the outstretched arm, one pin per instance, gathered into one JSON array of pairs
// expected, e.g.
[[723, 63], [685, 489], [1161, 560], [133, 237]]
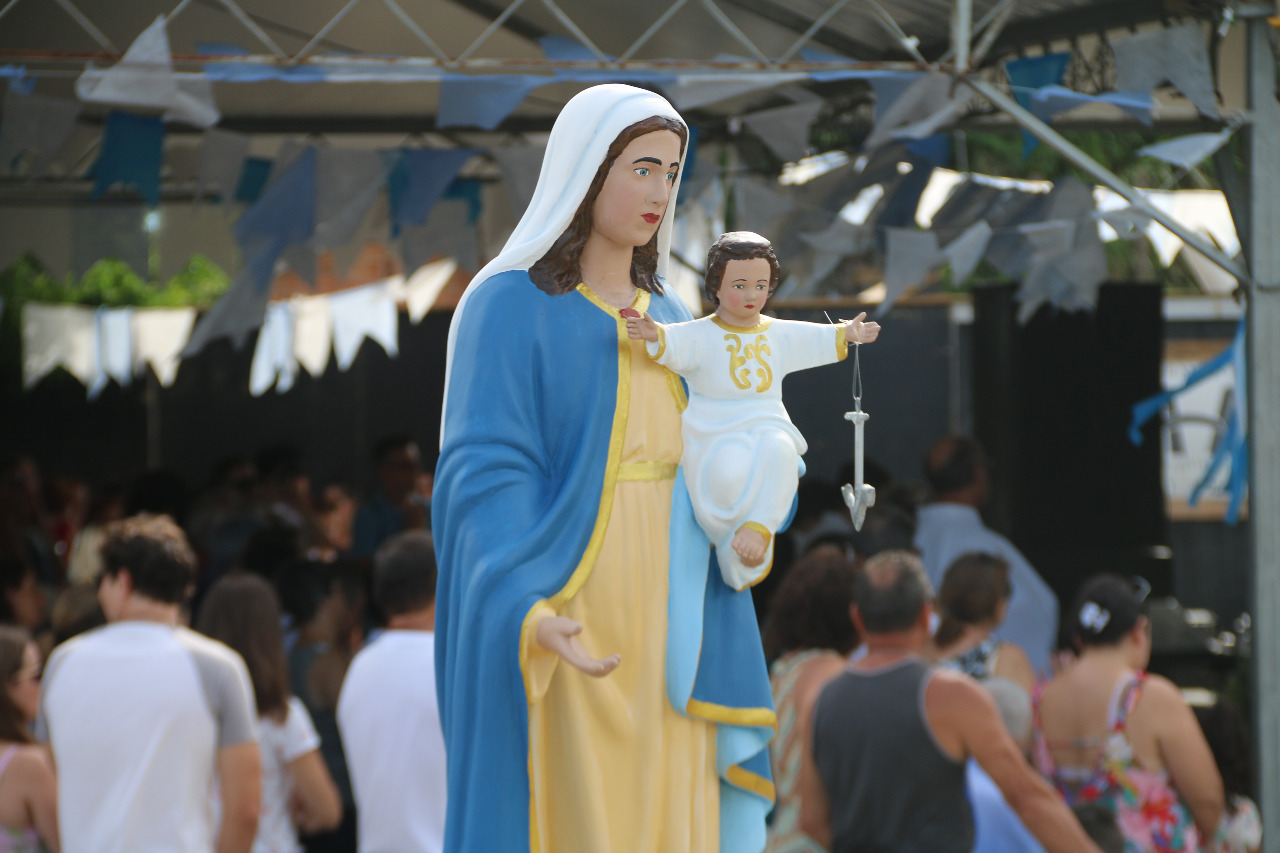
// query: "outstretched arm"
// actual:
[[643, 327], [858, 332]]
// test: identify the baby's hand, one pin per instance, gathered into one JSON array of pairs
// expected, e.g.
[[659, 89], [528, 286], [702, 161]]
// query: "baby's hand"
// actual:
[[858, 332], [642, 327]]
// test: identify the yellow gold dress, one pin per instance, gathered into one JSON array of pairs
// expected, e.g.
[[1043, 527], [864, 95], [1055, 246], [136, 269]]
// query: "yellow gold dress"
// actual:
[[613, 768]]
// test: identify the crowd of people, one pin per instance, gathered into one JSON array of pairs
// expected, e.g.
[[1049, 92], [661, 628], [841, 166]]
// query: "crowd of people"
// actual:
[[299, 709]]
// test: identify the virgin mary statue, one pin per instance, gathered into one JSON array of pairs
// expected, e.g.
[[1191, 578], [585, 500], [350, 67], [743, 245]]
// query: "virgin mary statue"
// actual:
[[601, 688]]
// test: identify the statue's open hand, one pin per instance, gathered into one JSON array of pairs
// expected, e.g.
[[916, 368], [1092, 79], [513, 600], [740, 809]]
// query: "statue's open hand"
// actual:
[[642, 327], [858, 332], [559, 634]]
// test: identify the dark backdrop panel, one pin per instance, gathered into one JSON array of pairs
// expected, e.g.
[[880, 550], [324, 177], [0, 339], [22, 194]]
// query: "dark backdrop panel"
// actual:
[[1053, 403], [208, 414], [904, 377]]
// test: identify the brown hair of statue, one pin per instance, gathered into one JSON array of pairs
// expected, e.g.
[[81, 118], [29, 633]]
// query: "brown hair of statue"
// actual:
[[559, 271], [737, 246]]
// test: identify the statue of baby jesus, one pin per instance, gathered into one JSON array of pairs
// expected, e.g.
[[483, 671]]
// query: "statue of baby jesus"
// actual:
[[742, 454]]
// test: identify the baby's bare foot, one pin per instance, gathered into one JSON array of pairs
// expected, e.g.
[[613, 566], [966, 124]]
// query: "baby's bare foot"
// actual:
[[750, 546]]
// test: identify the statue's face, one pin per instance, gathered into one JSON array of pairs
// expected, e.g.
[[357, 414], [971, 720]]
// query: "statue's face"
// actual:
[[636, 191], [744, 289]]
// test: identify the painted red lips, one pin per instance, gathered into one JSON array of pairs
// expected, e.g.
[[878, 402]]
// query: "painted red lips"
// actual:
[[651, 218]]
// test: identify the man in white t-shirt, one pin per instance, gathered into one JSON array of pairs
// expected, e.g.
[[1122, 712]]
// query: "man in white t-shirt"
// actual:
[[143, 714], [387, 711]]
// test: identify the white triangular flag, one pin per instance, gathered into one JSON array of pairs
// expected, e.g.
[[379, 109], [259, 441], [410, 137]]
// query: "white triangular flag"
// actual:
[[965, 252], [424, 285], [58, 336], [364, 312], [1188, 151], [273, 361], [312, 332], [115, 348], [144, 78], [911, 254], [159, 334], [785, 129]]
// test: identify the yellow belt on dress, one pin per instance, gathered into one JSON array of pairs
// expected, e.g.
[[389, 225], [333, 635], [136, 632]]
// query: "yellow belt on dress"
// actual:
[[634, 471]]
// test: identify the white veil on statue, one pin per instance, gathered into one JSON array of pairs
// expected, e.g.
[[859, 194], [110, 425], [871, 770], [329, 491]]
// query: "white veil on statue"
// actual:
[[580, 139]]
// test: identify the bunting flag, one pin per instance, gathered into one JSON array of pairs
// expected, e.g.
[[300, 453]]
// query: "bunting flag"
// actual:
[[785, 129], [34, 125], [348, 181], [758, 205], [520, 166], [418, 179], [690, 91], [1179, 55], [254, 173], [158, 335], [423, 287], [144, 78], [240, 310], [1049, 101], [56, 336], [364, 312], [930, 103], [1190, 150], [312, 333], [273, 360], [114, 333], [965, 252], [1233, 443], [222, 159], [483, 102], [1030, 74], [449, 232], [285, 213], [132, 152], [910, 256]]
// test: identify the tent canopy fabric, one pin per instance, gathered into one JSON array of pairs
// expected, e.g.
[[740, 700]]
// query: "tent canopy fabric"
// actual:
[[284, 46]]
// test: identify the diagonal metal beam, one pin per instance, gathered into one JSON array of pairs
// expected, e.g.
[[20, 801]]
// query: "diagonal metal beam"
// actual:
[[572, 27], [495, 25], [1064, 147], [1090, 19], [412, 26], [783, 16], [732, 29], [813, 30], [252, 26], [910, 44], [87, 25], [986, 24], [649, 33], [512, 23], [325, 30], [7, 7]]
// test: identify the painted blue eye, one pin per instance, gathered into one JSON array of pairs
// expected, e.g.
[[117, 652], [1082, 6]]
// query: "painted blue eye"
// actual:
[[643, 171], [671, 176]]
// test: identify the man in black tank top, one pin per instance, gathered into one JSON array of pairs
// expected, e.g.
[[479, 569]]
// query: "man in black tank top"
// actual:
[[885, 767]]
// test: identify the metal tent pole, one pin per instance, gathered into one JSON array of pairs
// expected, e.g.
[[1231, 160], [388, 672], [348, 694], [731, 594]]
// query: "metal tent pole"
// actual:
[[1263, 354], [1063, 146]]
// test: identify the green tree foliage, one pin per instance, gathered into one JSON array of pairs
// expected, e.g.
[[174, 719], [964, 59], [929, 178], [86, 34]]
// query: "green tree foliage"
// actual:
[[109, 282]]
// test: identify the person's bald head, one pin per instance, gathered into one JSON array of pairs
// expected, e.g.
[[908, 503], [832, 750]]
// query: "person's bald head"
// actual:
[[955, 467], [891, 591]]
